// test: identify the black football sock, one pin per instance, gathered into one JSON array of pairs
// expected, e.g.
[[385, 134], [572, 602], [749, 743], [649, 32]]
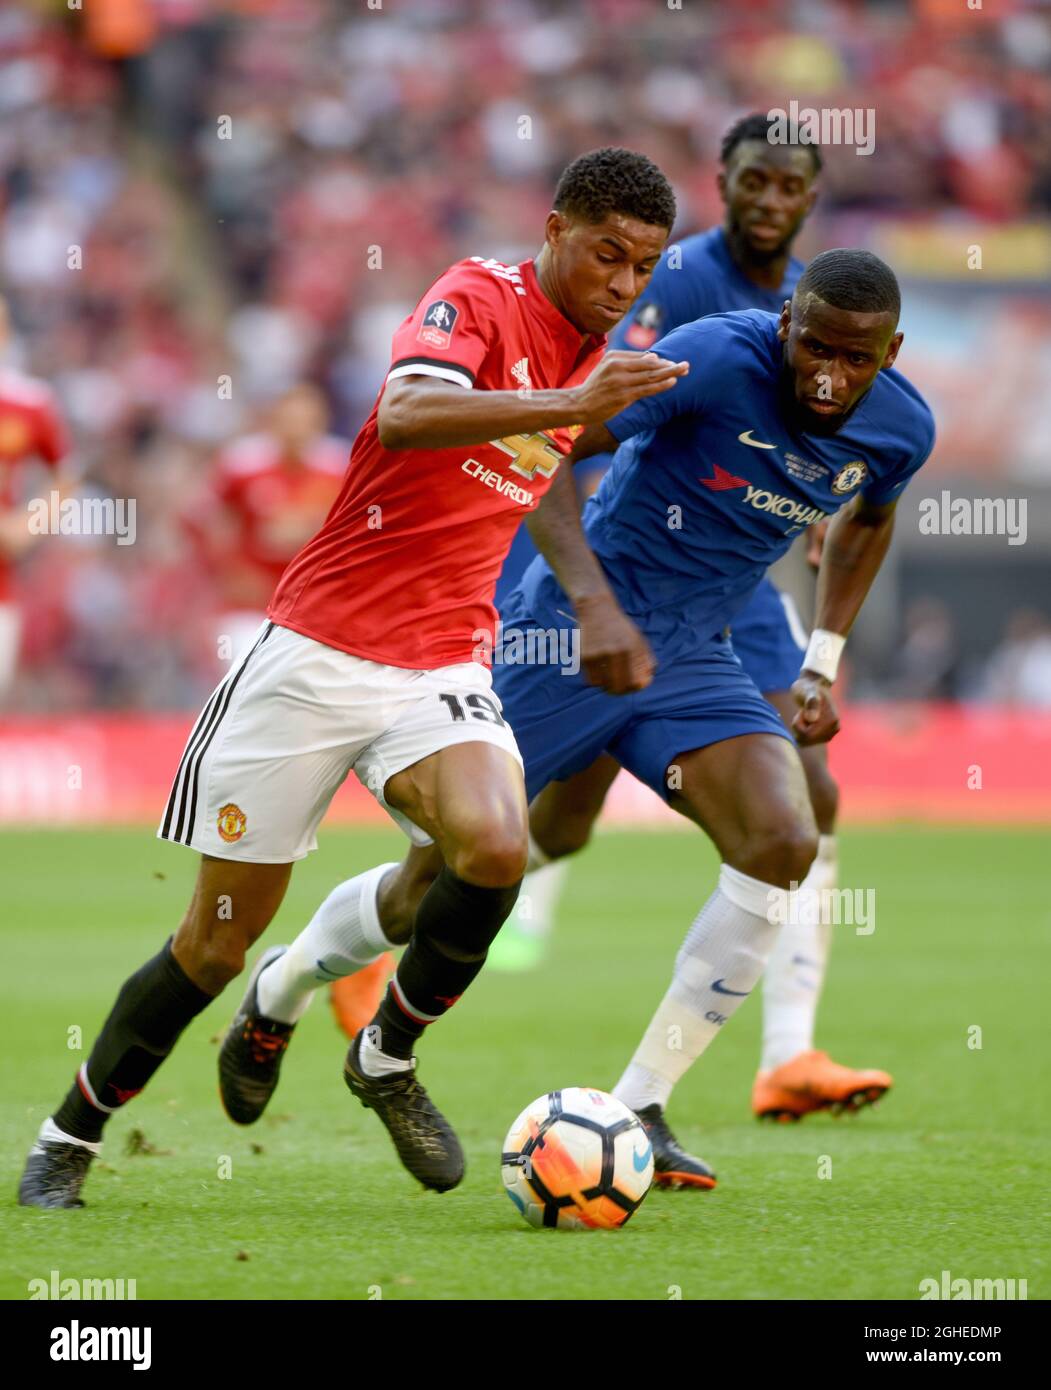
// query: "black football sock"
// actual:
[[152, 1009], [456, 923]]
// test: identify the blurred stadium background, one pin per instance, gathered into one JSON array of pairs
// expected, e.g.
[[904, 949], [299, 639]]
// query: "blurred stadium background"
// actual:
[[395, 130], [218, 275]]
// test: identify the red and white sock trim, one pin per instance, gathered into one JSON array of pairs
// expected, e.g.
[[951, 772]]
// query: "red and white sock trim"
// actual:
[[88, 1093], [410, 1010]]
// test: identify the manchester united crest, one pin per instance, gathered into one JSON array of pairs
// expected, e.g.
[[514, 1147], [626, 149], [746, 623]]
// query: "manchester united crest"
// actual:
[[231, 822]]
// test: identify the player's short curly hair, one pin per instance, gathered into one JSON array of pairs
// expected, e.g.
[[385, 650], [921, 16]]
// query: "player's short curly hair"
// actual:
[[615, 180], [853, 280], [757, 127]]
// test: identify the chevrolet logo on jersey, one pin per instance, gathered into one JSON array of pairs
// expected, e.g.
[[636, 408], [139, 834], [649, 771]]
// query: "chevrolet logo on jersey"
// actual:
[[530, 453]]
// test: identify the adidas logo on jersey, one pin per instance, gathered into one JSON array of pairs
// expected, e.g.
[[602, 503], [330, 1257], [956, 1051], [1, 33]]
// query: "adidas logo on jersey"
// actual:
[[510, 273], [520, 372]]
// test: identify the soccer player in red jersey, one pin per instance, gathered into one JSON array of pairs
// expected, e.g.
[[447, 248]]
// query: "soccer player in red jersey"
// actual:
[[31, 430], [269, 493], [368, 662]]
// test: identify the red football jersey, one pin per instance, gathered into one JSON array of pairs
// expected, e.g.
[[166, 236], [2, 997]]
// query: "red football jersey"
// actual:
[[404, 568], [277, 505], [30, 428]]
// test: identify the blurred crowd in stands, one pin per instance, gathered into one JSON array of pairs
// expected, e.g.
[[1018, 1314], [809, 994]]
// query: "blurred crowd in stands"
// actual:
[[930, 664], [260, 191]]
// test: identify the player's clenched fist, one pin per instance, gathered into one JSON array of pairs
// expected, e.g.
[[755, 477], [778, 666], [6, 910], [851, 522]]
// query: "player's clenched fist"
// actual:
[[621, 378], [614, 653], [817, 719]]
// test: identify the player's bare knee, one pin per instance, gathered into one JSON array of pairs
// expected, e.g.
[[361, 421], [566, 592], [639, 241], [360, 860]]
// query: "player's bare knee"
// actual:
[[495, 858], [569, 836], [796, 852], [781, 855], [211, 954], [222, 963]]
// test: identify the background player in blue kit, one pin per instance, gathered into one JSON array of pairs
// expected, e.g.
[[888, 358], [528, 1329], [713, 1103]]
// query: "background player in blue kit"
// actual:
[[769, 190]]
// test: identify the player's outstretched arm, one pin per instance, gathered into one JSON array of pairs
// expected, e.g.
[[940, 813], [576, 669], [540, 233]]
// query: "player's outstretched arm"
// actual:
[[855, 544], [422, 412], [614, 653], [853, 551]]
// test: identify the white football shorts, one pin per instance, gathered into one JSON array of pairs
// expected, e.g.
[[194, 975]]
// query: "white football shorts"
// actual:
[[288, 722]]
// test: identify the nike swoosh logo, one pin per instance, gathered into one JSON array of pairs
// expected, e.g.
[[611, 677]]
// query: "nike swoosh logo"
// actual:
[[717, 985], [334, 973], [755, 443], [641, 1160]]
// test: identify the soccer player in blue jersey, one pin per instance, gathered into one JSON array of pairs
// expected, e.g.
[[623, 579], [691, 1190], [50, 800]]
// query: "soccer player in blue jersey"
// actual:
[[782, 421], [746, 263]]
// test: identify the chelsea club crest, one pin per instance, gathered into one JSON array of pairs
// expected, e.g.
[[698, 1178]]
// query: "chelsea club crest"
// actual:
[[850, 476]]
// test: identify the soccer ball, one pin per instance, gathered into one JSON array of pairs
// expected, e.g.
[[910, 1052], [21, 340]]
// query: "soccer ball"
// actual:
[[577, 1158]]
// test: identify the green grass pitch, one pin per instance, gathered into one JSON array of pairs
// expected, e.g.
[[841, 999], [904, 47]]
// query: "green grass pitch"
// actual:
[[949, 1172]]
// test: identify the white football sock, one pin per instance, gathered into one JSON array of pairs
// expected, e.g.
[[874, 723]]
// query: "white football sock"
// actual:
[[717, 966], [51, 1134], [343, 936], [796, 971]]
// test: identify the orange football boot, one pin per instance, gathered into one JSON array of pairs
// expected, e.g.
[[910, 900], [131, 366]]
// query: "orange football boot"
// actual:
[[355, 998], [812, 1081]]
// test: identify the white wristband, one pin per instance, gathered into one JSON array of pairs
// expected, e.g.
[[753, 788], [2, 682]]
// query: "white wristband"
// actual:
[[823, 652]]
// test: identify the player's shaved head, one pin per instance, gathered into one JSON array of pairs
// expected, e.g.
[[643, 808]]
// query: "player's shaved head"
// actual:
[[848, 279]]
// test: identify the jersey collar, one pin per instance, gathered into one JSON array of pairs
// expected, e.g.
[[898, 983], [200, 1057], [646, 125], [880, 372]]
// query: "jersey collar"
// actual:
[[555, 322]]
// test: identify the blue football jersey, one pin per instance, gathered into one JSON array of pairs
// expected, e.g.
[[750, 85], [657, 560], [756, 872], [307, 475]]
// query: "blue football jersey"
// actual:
[[696, 277], [711, 484]]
